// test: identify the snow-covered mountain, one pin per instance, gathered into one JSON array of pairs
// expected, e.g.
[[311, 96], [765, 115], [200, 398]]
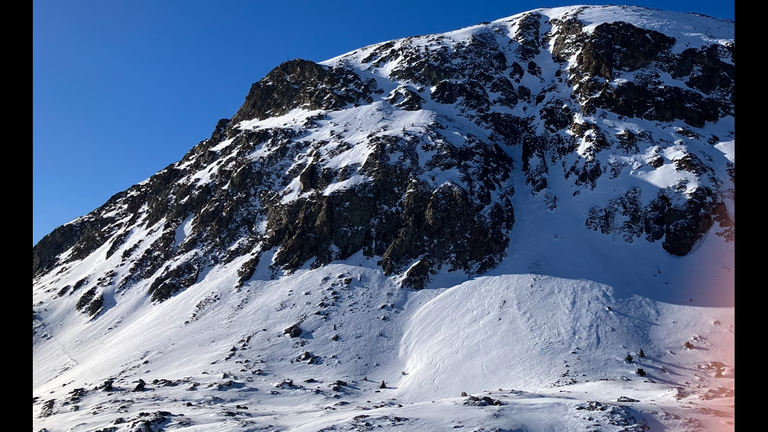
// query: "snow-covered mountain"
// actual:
[[526, 224]]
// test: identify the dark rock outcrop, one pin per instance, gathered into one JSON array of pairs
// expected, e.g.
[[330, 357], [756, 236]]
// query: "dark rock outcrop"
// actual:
[[438, 193], [293, 331], [303, 84]]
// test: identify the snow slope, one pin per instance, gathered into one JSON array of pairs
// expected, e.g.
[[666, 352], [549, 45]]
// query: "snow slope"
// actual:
[[541, 341]]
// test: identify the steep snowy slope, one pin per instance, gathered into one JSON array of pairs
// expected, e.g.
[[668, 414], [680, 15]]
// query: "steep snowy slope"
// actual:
[[536, 210]]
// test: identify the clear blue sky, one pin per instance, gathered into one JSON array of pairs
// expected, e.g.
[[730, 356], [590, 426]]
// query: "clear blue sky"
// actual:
[[121, 89]]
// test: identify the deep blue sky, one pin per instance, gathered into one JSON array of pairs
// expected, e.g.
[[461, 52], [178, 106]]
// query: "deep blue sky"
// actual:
[[121, 89]]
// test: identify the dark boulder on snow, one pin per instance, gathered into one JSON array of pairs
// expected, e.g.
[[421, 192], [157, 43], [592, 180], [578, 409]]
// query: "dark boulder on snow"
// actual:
[[47, 408], [293, 331], [140, 387], [482, 401], [626, 399], [107, 386]]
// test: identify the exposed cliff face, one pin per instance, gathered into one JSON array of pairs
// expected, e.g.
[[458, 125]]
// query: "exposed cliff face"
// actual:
[[407, 151], [306, 85]]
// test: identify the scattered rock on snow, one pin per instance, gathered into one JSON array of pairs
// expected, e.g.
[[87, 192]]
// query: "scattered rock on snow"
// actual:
[[626, 399], [293, 331], [140, 386], [484, 401]]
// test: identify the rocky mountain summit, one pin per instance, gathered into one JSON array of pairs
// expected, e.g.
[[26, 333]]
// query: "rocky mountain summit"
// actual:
[[425, 181], [420, 156]]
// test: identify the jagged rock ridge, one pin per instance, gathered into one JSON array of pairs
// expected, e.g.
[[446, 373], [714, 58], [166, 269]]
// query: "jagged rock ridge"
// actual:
[[406, 151]]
